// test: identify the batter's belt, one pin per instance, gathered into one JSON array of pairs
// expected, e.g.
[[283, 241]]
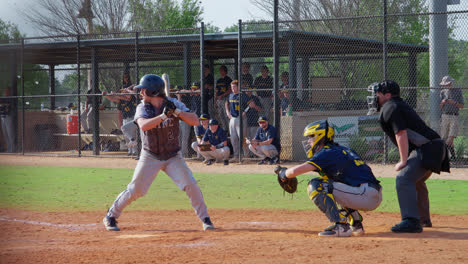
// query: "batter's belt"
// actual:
[[163, 156]]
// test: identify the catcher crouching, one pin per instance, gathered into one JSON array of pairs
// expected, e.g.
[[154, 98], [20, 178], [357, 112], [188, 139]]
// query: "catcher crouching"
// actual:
[[345, 181]]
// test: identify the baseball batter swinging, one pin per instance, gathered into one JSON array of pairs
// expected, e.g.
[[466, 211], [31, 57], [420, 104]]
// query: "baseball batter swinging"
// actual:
[[158, 118]]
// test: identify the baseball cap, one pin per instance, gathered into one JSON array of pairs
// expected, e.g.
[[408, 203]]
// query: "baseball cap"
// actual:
[[204, 117], [213, 122], [447, 80], [262, 119], [195, 85]]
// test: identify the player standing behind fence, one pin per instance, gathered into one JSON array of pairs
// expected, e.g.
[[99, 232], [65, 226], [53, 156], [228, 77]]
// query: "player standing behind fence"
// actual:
[[233, 109], [158, 118]]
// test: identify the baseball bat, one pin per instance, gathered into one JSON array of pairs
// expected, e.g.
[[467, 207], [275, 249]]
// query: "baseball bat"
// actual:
[[167, 83]]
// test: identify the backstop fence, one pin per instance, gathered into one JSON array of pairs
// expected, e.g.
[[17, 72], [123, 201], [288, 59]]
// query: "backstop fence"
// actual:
[[53, 101]]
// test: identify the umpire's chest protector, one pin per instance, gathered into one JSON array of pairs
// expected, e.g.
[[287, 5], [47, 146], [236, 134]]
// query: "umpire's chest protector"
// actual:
[[163, 140]]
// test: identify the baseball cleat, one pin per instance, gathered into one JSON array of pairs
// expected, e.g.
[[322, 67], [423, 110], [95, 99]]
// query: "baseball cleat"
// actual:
[[207, 224], [340, 230], [211, 161], [110, 223], [264, 161], [358, 229]]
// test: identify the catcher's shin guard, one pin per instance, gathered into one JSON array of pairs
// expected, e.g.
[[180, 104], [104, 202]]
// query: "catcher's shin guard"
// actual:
[[321, 192], [353, 215]]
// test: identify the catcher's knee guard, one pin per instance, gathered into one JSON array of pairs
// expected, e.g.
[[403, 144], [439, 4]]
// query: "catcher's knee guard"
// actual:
[[321, 192]]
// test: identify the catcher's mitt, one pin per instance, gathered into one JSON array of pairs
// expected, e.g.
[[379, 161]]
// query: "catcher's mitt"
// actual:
[[205, 147], [288, 184]]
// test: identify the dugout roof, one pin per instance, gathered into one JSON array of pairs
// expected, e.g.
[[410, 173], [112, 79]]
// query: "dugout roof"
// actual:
[[216, 45]]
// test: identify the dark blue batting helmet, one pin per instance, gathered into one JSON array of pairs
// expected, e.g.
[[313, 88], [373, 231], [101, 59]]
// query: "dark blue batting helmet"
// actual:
[[153, 84]]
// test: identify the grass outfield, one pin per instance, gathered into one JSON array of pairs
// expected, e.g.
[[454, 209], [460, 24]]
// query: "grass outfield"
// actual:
[[94, 189]]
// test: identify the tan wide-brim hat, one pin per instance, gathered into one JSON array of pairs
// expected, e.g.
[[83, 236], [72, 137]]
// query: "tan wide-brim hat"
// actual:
[[447, 80]]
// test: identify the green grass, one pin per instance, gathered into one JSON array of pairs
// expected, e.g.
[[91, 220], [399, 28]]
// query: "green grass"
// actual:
[[92, 189]]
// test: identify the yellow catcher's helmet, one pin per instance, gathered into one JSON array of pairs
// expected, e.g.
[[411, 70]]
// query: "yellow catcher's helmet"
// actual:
[[322, 133]]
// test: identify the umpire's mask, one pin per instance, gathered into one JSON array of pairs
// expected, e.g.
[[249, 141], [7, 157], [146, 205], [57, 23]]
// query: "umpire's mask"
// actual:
[[373, 100]]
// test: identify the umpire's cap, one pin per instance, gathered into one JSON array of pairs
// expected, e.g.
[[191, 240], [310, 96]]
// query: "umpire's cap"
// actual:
[[204, 116], [153, 83], [213, 122], [262, 119], [387, 86]]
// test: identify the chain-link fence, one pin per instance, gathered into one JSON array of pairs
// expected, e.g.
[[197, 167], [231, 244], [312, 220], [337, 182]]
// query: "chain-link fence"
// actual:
[[71, 96]]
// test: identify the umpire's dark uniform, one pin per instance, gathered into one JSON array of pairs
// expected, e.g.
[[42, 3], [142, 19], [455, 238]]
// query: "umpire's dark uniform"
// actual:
[[427, 154]]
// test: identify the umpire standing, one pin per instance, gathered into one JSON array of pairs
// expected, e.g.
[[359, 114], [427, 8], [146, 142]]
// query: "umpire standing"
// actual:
[[421, 153]]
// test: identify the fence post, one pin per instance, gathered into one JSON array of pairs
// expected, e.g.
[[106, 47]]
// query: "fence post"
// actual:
[[241, 110], [22, 94], [202, 79], [276, 103], [385, 72], [78, 65]]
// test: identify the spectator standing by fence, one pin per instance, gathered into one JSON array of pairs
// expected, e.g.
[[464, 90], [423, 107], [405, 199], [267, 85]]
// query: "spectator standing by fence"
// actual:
[[223, 89], [233, 110], [7, 121], [251, 112], [208, 92], [247, 78], [264, 85], [450, 105]]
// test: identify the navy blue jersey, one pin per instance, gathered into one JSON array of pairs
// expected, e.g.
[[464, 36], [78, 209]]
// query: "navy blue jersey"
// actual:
[[222, 85], [342, 164], [195, 104], [234, 103], [269, 132], [200, 131], [252, 114], [215, 138], [247, 79], [264, 83], [128, 108]]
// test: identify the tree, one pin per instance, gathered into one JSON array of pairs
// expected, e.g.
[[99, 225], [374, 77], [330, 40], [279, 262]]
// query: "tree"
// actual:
[[9, 32], [60, 17]]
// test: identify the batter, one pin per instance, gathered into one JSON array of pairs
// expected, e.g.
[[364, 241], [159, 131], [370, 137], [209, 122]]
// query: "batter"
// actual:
[[158, 118]]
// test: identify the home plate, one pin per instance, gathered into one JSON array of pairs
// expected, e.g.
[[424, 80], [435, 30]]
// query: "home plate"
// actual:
[[135, 236]]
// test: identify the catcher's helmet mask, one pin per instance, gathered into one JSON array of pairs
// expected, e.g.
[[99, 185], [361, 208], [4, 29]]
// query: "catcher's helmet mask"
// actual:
[[384, 87], [321, 133], [153, 84]]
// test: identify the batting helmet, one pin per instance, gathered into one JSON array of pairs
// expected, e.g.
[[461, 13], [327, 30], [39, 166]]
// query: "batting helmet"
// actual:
[[153, 84], [321, 132]]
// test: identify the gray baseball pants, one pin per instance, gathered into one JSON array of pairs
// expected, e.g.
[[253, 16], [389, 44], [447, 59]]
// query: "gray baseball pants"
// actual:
[[234, 130], [264, 151], [413, 196], [145, 173], [218, 154]]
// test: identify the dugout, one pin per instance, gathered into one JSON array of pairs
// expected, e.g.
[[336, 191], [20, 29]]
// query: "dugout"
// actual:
[[298, 49]]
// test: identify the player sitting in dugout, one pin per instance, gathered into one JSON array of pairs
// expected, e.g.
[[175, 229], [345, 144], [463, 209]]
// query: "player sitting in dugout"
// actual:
[[216, 137], [200, 132], [344, 180]]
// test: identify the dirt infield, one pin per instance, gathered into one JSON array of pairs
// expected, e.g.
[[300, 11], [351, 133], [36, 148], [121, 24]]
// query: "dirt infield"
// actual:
[[242, 236]]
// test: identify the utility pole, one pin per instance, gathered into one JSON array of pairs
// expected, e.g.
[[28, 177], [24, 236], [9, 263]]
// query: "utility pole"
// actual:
[[87, 13]]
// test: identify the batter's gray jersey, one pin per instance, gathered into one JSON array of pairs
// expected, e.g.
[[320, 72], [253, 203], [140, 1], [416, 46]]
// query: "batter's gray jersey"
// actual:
[[158, 157]]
